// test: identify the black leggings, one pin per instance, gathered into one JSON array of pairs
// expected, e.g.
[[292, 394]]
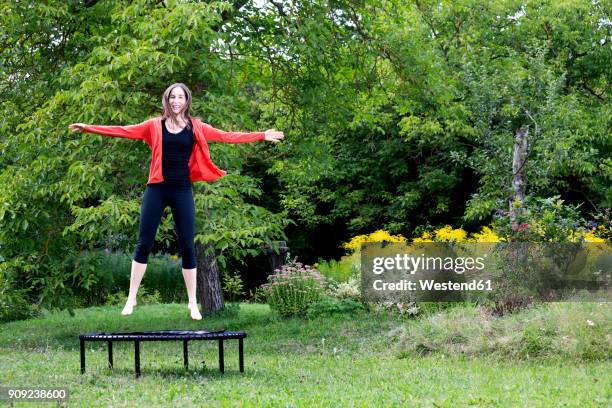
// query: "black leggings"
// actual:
[[180, 199]]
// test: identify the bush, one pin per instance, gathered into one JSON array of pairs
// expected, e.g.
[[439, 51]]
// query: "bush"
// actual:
[[163, 275], [112, 274], [257, 295], [339, 271], [328, 307], [233, 286], [96, 280], [14, 303], [348, 290], [105, 274], [84, 280], [542, 220], [291, 290]]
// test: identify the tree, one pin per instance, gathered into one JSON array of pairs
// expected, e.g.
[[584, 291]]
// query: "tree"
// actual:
[[404, 113]]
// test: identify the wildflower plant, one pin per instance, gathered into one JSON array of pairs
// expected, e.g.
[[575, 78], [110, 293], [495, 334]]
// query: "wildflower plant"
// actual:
[[450, 234], [354, 247], [293, 288], [377, 236]]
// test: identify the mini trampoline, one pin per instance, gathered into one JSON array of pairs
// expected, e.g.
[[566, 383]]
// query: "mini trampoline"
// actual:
[[164, 335]]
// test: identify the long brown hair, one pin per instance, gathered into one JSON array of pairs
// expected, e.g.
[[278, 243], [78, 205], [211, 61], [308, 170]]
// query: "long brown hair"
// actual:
[[167, 110]]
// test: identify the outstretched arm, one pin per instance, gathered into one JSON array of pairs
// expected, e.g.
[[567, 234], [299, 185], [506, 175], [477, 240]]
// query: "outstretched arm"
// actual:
[[140, 131], [217, 135]]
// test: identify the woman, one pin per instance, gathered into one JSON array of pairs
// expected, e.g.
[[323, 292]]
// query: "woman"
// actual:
[[185, 159]]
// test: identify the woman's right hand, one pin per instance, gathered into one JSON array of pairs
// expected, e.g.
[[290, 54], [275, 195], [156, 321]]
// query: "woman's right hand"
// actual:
[[77, 126]]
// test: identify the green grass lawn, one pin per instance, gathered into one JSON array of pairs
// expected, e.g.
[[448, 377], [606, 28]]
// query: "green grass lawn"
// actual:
[[346, 360]]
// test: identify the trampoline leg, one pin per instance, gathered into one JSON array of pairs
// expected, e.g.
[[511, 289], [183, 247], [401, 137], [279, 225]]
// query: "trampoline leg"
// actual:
[[185, 355], [241, 355], [110, 354], [221, 363], [82, 356], [137, 357]]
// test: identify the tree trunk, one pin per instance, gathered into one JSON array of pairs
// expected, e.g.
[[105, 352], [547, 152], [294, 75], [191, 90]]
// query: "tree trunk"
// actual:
[[208, 286], [518, 176]]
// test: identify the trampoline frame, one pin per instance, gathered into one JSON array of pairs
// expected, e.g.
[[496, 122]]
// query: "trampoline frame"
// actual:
[[165, 335]]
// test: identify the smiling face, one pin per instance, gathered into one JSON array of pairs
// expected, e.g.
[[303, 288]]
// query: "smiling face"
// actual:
[[177, 100], [176, 103]]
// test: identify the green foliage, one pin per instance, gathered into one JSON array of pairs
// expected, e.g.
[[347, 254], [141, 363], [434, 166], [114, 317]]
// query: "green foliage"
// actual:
[[233, 287], [540, 220], [236, 227], [163, 275], [340, 271], [329, 307], [257, 295], [291, 290], [109, 274], [418, 103], [14, 304]]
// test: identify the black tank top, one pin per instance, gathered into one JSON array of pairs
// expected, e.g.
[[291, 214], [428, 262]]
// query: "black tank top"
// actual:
[[176, 150]]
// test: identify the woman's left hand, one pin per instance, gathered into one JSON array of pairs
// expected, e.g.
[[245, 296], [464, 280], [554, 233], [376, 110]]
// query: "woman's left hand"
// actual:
[[273, 135]]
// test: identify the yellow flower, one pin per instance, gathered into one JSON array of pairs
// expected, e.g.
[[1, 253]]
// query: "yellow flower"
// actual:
[[356, 242], [590, 237], [377, 236], [425, 237], [448, 234], [486, 235]]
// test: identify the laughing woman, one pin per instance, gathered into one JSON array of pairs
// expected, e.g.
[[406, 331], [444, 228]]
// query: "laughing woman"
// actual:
[[185, 159]]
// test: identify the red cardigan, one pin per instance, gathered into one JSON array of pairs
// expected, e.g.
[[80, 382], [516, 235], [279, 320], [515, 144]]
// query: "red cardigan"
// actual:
[[201, 167]]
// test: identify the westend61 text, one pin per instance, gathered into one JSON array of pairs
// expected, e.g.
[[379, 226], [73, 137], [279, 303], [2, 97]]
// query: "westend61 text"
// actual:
[[430, 284]]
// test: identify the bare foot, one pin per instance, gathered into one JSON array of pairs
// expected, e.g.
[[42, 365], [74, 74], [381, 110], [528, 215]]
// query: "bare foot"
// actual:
[[195, 312], [129, 307]]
